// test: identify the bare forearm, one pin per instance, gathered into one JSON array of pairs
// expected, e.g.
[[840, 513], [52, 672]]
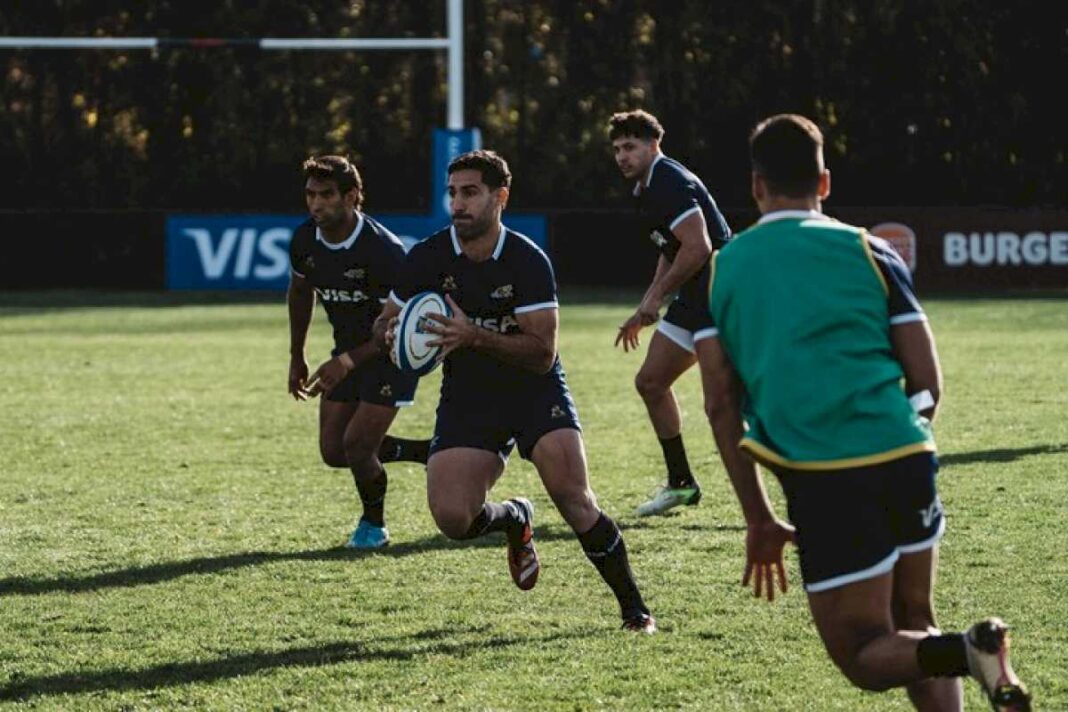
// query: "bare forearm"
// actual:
[[662, 266], [745, 477], [914, 349], [519, 349], [364, 351], [301, 304], [689, 260]]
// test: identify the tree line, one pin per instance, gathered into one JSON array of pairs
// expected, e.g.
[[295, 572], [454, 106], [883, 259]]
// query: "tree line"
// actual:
[[923, 103]]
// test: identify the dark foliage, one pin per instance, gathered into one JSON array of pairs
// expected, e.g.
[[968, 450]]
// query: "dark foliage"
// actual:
[[924, 103]]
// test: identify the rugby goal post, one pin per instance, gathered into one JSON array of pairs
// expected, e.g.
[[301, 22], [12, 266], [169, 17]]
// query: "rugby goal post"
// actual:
[[453, 43]]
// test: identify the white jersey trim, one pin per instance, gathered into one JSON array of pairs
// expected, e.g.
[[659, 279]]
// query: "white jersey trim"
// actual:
[[348, 240], [683, 216], [926, 544], [396, 300], [792, 215], [537, 307], [884, 566], [681, 337], [648, 177], [498, 248], [709, 333], [908, 318]]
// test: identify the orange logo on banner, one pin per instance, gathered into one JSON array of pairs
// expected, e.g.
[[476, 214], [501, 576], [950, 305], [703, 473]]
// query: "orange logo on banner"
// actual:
[[901, 237]]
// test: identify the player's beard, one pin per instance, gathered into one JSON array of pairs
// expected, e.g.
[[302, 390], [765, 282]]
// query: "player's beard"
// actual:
[[475, 227], [329, 220]]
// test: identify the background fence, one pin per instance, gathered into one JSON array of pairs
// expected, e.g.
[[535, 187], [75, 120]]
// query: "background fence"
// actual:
[[952, 249]]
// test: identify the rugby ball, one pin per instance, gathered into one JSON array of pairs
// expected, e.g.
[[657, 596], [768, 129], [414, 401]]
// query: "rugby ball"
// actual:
[[410, 350]]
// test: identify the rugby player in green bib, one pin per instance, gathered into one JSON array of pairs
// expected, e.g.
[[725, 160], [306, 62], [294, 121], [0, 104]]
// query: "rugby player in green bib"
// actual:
[[822, 347]]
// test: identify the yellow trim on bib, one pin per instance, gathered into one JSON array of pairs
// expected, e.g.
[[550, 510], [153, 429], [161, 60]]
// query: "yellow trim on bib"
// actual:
[[768, 457], [871, 260]]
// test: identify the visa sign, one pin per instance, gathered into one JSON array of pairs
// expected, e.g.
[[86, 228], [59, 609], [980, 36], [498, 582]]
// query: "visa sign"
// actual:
[[251, 252], [229, 251]]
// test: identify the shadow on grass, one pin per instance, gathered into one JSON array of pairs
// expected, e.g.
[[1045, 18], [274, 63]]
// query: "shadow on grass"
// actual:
[[1000, 455], [156, 573], [399, 649], [37, 302], [42, 301], [690, 527]]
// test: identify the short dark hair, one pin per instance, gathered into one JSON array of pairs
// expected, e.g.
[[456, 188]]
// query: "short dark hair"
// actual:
[[786, 151], [638, 123], [493, 168], [338, 169]]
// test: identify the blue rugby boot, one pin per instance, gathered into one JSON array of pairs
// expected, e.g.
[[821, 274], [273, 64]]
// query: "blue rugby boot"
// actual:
[[367, 536]]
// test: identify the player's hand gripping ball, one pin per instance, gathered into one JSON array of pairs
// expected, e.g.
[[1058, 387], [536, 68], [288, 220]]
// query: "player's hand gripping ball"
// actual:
[[410, 350]]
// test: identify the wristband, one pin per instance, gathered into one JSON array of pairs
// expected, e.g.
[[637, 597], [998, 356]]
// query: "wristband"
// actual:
[[346, 360], [921, 401]]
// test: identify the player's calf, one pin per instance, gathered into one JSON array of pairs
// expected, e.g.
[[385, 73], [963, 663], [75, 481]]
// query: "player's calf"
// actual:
[[606, 550]]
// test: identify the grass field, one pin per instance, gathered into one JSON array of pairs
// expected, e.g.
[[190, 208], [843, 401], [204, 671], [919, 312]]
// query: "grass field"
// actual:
[[169, 538]]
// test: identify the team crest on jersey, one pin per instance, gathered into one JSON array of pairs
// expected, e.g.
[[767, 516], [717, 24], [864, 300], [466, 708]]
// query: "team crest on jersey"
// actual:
[[503, 292], [556, 412], [386, 391], [354, 273], [308, 263], [658, 239], [448, 283]]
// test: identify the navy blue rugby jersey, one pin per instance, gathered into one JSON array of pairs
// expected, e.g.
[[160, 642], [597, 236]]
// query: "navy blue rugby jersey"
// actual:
[[517, 278], [902, 304], [667, 195], [352, 279]]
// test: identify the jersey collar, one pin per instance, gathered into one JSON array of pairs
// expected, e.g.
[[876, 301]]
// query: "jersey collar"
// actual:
[[644, 183], [496, 250], [792, 215], [348, 241]]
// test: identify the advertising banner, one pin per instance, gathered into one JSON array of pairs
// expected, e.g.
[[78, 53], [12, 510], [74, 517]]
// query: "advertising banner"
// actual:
[[973, 249], [251, 252]]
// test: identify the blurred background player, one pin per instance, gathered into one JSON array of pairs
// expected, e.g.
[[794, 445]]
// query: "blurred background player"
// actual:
[[816, 327], [350, 262], [503, 385], [679, 215]]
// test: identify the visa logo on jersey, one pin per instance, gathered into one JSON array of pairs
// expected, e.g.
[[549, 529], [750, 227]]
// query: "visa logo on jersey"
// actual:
[[229, 251]]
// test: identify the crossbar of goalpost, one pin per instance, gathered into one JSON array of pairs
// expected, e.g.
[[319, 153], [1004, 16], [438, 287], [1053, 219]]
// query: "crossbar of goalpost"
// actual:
[[454, 44]]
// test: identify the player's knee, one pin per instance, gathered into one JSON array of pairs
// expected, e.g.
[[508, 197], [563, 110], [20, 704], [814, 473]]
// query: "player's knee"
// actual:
[[333, 453], [359, 448], [454, 522], [866, 678], [861, 662], [713, 407], [576, 505], [648, 385]]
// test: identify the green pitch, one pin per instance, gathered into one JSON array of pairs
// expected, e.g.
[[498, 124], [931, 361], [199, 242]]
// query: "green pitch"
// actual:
[[169, 538]]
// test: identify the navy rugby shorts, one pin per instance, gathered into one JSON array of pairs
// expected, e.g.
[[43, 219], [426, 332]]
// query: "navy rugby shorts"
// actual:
[[376, 381], [854, 524], [687, 319], [498, 420]]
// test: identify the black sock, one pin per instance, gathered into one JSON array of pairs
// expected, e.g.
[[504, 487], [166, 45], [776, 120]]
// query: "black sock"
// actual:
[[494, 518], [373, 497], [943, 655], [679, 474], [605, 549], [403, 450]]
